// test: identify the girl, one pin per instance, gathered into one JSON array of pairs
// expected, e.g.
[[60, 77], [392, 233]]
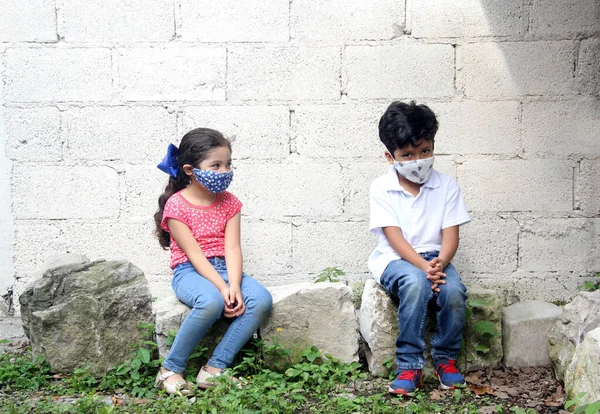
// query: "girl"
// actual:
[[200, 222]]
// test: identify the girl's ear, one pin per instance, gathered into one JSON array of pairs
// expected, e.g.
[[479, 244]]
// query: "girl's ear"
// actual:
[[188, 169]]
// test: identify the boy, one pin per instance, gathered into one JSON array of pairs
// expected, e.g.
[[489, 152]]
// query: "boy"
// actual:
[[416, 212]]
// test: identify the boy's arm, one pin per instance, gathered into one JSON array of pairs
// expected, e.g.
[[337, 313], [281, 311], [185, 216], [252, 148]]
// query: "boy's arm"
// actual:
[[449, 246], [406, 251], [403, 248]]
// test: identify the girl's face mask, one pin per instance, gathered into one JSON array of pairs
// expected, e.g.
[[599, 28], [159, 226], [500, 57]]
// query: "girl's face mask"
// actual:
[[417, 171], [214, 181]]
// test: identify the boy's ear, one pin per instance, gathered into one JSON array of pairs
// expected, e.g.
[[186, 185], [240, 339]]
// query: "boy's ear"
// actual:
[[389, 157], [188, 169]]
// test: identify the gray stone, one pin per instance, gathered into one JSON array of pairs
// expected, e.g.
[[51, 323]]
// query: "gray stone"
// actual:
[[583, 375], [307, 314], [86, 314], [170, 313], [11, 331], [378, 320], [525, 328], [579, 317]]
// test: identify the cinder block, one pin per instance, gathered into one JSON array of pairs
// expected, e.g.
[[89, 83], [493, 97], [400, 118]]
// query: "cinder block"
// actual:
[[57, 74], [561, 129], [554, 287], [518, 185], [470, 18], [116, 21], [405, 70], [477, 127], [588, 63], [510, 69], [345, 245], [33, 134], [588, 187], [358, 177], [234, 21], [118, 133], [559, 17], [143, 185], [184, 73], [129, 240], [257, 132], [525, 329], [267, 247], [313, 20], [340, 131], [559, 245], [488, 244], [34, 242], [283, 73], [31, 21], [56, 192], [312, 189]]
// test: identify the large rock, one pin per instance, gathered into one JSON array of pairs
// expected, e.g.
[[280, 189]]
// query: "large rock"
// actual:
[[86, 314], [378, 320], [583, 375], [579, 317], [525, 328], [482, 342], [170, 313], [307, 314]]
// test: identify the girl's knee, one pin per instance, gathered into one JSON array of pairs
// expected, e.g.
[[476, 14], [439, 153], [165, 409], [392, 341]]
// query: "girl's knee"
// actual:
[[212, 306], [260, 300]]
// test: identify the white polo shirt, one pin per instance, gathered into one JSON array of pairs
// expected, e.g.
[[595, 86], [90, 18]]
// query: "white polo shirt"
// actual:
[[438, 205]]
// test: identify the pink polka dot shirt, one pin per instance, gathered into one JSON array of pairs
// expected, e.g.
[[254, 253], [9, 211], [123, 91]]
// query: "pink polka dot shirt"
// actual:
[[206, 223]]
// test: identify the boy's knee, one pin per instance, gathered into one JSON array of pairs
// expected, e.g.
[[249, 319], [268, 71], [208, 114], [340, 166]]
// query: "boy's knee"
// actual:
[[417, 287]]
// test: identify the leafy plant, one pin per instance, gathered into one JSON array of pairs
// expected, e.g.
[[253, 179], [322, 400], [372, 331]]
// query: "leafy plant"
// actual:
[[137, 373], [591, 408], [485, 329], [22, 372], [590, 286], [330, 274]]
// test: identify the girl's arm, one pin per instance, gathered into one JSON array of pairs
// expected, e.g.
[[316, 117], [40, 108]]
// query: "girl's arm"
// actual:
[[233, 259], [185, 239]]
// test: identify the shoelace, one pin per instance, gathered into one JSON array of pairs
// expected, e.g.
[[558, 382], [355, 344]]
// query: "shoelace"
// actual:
[[408, 374], [450, 367]]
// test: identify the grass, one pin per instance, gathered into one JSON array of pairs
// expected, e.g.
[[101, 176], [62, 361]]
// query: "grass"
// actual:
[[316, 384]]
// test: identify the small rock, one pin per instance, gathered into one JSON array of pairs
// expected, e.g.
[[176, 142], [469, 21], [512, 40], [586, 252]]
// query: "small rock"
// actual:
[[525, 328]]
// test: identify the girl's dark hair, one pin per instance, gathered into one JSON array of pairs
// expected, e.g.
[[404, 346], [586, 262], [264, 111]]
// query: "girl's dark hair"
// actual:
[[193, 149], [405, 124]]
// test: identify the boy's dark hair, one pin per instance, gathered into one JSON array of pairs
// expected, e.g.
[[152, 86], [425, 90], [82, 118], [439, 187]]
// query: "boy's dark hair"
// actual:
[[193, 149], [405, 124]]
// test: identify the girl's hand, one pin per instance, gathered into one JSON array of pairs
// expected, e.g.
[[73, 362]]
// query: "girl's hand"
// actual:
[[237, 305], [225, 293]]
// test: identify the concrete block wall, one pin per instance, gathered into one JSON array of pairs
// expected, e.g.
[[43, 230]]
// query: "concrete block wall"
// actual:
[[91, 94]]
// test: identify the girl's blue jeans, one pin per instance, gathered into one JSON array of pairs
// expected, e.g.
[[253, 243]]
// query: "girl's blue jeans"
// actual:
[[207, 304], [409, 285]]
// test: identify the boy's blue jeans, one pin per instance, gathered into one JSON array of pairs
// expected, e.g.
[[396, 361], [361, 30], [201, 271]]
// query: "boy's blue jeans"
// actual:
[[410, 286], [207, 306]]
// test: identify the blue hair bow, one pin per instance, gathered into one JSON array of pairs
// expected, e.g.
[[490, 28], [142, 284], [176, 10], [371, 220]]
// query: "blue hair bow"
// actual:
[[170, 164]]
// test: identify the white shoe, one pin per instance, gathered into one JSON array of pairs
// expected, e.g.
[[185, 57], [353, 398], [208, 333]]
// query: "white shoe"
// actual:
[[173, 388]]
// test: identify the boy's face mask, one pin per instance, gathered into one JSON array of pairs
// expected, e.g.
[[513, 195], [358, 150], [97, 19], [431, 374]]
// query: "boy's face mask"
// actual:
[[214, 181], [417, 171]]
